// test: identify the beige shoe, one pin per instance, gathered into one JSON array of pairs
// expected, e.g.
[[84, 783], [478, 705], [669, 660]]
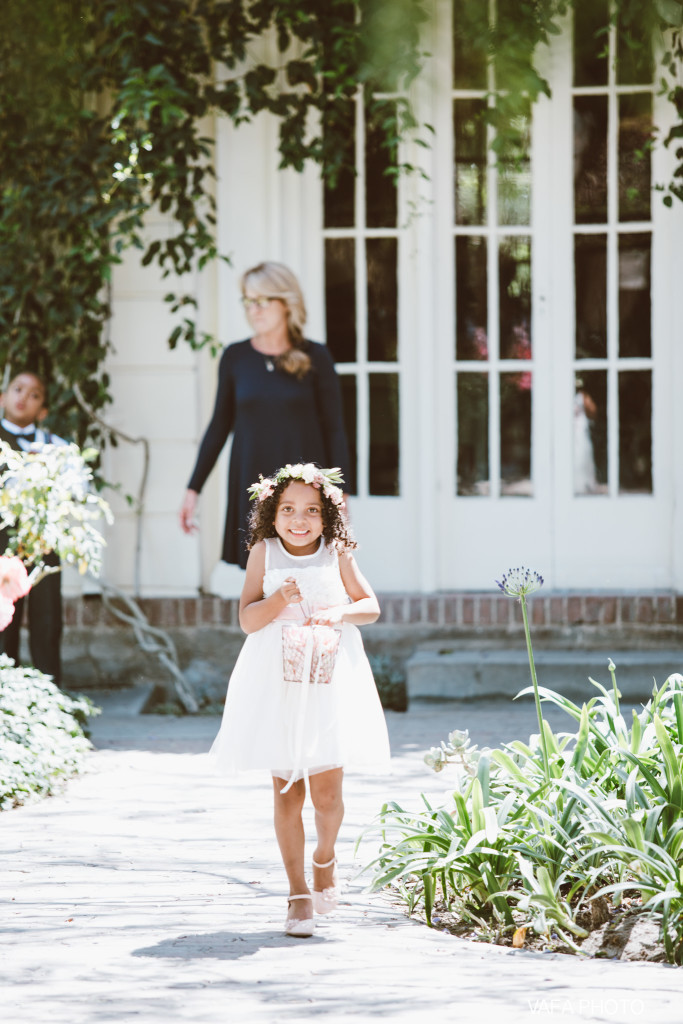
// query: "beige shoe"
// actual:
[[326, 900], [302, 928]]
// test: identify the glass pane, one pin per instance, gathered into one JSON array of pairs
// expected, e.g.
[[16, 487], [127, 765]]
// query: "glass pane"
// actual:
[[513, 65], [634, 295], [339, 209], [340, 298], [382, 256], [349, 392], [591, 21], [514, 170], [380, 189], [590, 159], [472, 404], [471, 338], [590, 277], [384, 433], [470, 21], [514, 285], [635, 133], [590, 433], [470, 161], [635, 432], [515, 434], [634, 46]]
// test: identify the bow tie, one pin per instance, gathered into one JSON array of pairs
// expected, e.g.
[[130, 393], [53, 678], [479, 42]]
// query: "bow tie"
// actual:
[[29, 436]]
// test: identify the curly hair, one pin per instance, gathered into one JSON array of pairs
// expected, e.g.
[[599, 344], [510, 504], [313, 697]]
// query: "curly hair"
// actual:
[[262, 520]]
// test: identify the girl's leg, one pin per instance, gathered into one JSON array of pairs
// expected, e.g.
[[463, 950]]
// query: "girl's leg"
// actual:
[[326, 794], [289, 830]]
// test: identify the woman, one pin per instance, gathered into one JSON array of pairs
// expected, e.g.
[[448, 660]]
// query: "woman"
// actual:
[[278, 393]]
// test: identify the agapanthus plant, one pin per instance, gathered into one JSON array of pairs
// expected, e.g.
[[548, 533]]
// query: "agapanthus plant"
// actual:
[[520, 583], [47, 504]]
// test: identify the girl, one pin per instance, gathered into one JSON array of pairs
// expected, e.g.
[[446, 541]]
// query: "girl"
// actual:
[[302, 700]]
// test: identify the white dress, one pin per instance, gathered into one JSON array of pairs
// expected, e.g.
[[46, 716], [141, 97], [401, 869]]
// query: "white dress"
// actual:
[[272, 719]]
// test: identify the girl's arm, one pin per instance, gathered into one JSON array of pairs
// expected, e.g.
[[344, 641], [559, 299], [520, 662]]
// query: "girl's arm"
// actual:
[[256, 611], [364, 607]]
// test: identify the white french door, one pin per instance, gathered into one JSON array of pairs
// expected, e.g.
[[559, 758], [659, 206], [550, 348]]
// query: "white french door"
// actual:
[[552, 326]]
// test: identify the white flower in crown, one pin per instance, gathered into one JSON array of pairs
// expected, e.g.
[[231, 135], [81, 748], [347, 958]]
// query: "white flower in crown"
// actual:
[[311, 475]]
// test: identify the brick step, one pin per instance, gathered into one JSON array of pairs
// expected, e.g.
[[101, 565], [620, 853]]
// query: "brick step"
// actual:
[[463, 674]]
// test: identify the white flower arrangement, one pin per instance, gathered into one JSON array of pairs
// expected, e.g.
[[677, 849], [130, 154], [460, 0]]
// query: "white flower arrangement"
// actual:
[[46, 504]]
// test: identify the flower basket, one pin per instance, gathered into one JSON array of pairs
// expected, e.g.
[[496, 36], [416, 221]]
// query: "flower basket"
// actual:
[[296, 641]]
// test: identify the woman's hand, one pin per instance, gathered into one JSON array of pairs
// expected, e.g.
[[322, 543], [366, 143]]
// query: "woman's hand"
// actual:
[[290, 591], [187, 512]]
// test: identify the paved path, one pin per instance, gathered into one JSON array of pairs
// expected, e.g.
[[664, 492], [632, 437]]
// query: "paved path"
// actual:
[[152, 892]]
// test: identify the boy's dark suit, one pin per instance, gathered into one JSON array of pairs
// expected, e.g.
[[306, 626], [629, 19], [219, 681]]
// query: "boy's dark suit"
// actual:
[[44, 609]]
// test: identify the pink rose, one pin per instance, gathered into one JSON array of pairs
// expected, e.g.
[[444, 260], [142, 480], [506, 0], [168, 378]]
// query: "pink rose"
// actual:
[[13, 579]]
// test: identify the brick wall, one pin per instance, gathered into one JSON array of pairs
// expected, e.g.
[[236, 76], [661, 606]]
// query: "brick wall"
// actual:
[[462, 611]]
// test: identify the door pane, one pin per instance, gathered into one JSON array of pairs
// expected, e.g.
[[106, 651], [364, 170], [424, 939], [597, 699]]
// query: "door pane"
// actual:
[[382, 256], [590, 159], [634, 60], [514, 171], [339, 201], [472, 404], [590, 433], [635, 133], [591, 19], [384, 476], [340, 298], [515, 434], [471, 157], [635, 432], [350, 408], [634, 295], [470, 20], [471, 340], [380, 190], [590, 270], [514, 289]]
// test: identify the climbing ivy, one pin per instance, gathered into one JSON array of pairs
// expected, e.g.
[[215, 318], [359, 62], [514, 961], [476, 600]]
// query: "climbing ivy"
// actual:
[[102, 118]]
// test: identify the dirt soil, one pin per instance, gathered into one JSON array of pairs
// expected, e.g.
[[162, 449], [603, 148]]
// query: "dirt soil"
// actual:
[[615, 933]]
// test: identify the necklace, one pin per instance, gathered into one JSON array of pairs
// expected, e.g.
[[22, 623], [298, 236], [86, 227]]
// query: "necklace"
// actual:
[[270, 365]]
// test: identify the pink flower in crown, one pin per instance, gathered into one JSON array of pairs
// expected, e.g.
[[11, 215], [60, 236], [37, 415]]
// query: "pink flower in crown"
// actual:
[[14, 581], [334, 494], [266, 490]]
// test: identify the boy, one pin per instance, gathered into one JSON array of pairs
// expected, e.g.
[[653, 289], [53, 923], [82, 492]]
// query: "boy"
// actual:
[[25, 408]]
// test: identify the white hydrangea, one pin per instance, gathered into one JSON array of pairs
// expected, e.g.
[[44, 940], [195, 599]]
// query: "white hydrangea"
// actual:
[[46, 504]]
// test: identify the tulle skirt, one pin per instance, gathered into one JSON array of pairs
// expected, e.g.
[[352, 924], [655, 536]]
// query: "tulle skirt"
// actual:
[[274, 721]]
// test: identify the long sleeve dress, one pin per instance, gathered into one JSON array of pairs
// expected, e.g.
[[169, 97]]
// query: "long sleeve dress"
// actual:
[[275, 418]]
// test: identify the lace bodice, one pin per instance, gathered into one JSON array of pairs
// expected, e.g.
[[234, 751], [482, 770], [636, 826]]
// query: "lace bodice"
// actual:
[[316, 575]]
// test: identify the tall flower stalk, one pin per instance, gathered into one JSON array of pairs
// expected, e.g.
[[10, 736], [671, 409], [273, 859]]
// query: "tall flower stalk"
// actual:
[[519, 583]]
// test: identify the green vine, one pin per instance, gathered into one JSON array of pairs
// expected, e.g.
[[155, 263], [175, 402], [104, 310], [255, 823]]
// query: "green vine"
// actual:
[[102, 108]]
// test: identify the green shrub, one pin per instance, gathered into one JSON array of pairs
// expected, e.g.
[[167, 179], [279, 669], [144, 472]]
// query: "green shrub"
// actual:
[[42, 742]]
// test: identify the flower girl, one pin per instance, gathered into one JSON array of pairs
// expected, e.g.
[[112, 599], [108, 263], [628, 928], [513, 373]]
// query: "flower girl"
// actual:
[[302, 701]]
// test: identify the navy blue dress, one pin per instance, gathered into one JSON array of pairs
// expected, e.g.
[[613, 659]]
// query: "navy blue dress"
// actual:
[[275, 419]]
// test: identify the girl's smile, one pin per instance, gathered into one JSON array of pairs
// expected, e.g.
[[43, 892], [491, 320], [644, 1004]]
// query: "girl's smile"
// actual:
[[299, 520]]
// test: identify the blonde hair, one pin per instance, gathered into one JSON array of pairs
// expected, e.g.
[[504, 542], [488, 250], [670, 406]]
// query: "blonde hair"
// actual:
[[276, 281]]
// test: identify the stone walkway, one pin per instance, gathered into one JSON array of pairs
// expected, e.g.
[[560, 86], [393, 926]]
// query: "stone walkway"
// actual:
[[151, 891]]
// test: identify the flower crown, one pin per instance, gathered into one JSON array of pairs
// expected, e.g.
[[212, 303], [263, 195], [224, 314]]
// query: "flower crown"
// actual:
[[326, 480]]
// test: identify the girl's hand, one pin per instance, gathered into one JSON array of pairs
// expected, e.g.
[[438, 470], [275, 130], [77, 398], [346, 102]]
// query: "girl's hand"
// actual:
[[329, 616], [290, 591]]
